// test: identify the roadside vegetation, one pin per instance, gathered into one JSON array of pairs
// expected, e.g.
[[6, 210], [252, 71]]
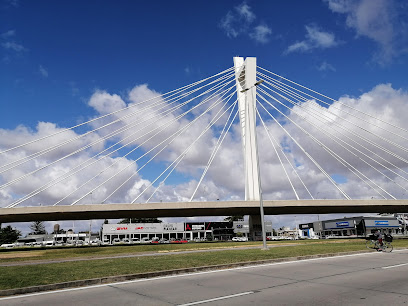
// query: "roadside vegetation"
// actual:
[[32, 275], [33, 253]]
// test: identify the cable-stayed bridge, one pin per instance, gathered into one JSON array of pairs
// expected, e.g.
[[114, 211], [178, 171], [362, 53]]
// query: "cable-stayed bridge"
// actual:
[[223, 145]]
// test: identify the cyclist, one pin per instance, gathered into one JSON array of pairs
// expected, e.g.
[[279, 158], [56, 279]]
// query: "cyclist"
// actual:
[[379, 236]]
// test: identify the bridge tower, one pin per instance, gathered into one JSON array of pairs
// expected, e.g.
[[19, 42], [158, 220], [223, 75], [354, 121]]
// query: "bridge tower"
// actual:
[[245, 76]]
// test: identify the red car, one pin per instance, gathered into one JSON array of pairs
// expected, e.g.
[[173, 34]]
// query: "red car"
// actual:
[[179, 241]]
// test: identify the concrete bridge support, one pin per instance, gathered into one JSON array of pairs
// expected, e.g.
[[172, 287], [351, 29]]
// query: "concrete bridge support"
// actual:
[[245, 76]]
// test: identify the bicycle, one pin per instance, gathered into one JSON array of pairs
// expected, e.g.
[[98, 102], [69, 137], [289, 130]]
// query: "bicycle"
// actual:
[[373, 243]]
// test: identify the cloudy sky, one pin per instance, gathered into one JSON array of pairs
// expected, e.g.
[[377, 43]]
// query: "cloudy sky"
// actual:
[[64, 63]]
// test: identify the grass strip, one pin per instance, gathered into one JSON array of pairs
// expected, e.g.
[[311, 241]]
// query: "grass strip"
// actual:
[[33, 275], [30, 254]]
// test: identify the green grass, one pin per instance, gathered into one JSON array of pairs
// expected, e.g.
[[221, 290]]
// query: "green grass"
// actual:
[[31, 275], [75, 252]]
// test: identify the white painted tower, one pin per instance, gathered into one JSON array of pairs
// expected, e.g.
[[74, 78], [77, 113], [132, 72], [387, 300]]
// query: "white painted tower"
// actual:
[[245, 76]]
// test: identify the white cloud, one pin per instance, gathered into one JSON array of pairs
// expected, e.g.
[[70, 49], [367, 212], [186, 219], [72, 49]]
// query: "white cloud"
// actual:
[[11, 45], [261, 34], [244, 11], [378, 20], [325, 66], [8, 34], [314, 39], [43, 71], [14, 3], [239, 21], [105, 103]]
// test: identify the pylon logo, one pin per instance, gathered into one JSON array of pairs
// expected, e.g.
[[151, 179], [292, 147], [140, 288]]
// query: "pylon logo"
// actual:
[[188, 227]]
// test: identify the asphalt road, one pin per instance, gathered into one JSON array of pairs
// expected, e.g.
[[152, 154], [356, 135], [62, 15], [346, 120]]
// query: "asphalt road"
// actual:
[[363, 279]]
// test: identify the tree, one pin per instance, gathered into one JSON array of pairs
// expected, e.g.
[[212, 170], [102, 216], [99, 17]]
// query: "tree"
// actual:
[[9, 235], [38, 228], [140, 220], [231, 219]]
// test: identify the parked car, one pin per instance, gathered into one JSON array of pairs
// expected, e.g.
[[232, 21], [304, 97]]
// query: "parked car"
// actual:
[[116, 241], [239, 239], [164, 240], [49, 243], [95, 242], [70, 242], [7, 245], [155, 240], [179, 241], [145, 240], [126, 240], [135, 240]]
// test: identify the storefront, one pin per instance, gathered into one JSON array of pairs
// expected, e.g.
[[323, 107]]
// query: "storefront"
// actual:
[[189, 231], [353, 227]]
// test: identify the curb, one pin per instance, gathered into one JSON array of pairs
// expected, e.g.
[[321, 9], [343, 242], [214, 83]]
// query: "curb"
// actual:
[[121, 278]]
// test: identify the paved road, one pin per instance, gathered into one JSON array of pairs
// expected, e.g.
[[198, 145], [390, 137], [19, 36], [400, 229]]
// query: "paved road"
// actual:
[[364, 279]]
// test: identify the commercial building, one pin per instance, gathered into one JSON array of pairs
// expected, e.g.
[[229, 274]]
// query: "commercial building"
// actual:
[[181, 230], [353, 227], [242, 228]]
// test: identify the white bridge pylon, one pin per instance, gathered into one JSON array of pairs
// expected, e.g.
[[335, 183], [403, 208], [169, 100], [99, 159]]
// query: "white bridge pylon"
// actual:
[[245, 76]]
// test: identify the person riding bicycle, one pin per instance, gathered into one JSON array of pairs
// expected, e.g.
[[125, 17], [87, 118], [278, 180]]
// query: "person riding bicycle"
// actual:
[[379, 236]]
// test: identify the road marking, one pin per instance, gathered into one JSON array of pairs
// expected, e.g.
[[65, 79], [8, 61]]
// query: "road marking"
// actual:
[[390, 267], [187, 274], [218, 298]]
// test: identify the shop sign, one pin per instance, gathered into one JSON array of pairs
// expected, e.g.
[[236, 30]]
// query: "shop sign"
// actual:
[[194, 227], [119, 228], [342, 224], [197, 227], [169, 227]]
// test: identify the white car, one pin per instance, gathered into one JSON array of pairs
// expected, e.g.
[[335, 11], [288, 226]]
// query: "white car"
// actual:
[[135, 240], [240, 239], [116, 241], [7, 245], [48, 243], [145, 240]]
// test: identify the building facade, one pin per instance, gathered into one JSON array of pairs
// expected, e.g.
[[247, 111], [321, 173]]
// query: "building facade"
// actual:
[[187, 230], [352, 227]]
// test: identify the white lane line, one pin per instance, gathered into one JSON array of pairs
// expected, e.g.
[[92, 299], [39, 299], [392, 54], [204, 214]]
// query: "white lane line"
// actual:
[[395, 266], [188, 274], [219, 298]]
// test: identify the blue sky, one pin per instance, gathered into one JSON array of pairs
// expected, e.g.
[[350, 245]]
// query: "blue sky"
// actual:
[[58, 56], [54, 54]]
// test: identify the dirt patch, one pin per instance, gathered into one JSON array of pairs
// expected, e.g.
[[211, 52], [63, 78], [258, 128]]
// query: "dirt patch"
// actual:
[[9, 255]]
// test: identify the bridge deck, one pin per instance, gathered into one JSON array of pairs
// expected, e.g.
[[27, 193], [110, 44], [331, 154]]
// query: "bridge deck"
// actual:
[[194, 209]]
